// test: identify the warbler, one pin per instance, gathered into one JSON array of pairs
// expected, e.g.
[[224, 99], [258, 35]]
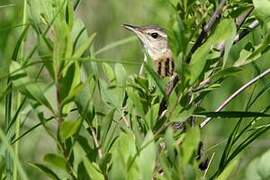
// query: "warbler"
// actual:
[[155, 42]]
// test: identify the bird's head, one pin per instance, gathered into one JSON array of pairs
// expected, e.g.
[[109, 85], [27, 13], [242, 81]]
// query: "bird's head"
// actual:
[[153, 38]]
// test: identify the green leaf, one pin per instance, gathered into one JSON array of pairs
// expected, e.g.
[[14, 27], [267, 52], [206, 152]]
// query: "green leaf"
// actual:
[[112, 95], [23, 83], [86, 156], [136, 101], [46, 170], [79, 34], [82, 172], [198, 61], [92, 170], [262, 9], [177, 113], [170, 144], [124, 165], [190, 144], [2, 169], [16, 51], [152, 115], [260, 52], [41, 11], [55, 160], [45, 53], [147, 157], [70, 85], [180, 115], [83, 100], [108, 70], [71, 78], [106, 125], [229, 170], [177, 35], [224, 31], [121, 74], [84, 46], [226, 72], [233, 114], [4, 71], [72, 94], [258, 169], [156, 78], [69, 128], [69, 14], [34, 91]]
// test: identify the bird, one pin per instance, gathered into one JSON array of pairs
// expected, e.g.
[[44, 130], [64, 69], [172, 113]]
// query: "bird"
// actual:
[[155, 42]]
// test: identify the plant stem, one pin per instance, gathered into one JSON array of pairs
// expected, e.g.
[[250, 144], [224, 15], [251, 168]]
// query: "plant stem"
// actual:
[[8, 106], [19, 97], [235, 94], [5, 141], [98, 146]]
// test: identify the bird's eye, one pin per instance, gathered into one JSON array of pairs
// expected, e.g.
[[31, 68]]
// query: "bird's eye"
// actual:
[[154, 35]]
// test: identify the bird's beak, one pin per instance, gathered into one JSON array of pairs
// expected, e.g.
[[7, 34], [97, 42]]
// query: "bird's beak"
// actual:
[[135, 29], [130, 27]]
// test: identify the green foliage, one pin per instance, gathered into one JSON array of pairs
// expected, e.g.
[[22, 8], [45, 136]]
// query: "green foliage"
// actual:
[[258, 168], [100, 120]]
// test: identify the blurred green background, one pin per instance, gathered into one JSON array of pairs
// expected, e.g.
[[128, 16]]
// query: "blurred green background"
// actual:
[[105, 17]]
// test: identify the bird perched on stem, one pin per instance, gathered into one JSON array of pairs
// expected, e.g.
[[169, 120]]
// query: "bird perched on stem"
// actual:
[[155, 42]]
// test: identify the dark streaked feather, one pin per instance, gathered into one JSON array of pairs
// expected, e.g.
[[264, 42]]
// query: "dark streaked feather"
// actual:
[[164, 67]]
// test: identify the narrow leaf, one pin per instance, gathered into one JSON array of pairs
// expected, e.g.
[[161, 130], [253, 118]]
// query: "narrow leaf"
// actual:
[[46, 170], [233, 114], [55, 160], [69, 128], [84, 46]]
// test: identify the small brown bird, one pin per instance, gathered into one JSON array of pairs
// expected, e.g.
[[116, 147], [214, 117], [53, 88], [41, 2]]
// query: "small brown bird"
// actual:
[[155, 42]]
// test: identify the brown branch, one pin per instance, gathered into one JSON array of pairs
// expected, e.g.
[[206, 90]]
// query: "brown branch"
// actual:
[[236, 93], [239, 21], [171, 84], [245, 32], [206, 29], [169, 88], [98, 146]]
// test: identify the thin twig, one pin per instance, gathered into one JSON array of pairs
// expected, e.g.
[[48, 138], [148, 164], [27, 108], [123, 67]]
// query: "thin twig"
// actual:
[[171, 84], [235, 94], [211, 160], [239, 21], [125, 119], [206, 29], [242, 34], [7, 5], [169, 88], [96, 142]]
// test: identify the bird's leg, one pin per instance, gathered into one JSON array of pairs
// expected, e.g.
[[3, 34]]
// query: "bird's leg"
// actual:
[[142, 66]]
